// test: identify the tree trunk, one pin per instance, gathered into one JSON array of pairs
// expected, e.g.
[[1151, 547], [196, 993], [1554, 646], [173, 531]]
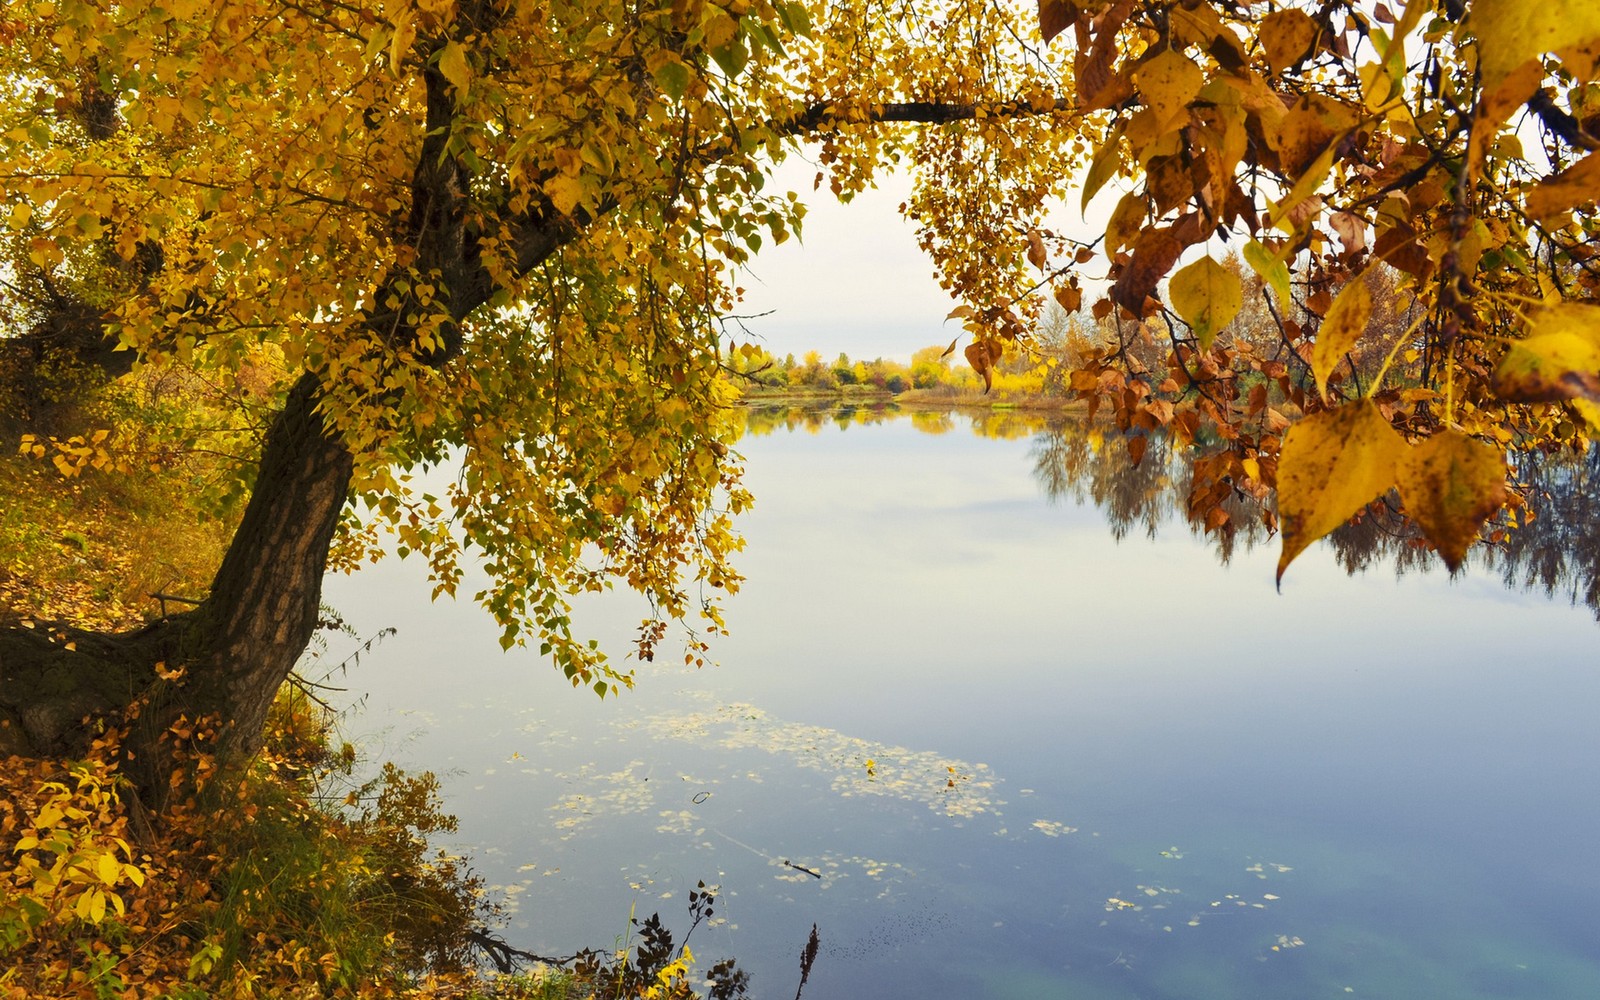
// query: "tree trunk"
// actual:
[[234, 651]]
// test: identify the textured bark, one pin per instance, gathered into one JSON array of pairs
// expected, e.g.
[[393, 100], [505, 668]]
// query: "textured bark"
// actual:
[[235, 650], [264, 601]]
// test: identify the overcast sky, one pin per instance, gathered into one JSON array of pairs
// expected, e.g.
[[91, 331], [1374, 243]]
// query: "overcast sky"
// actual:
[[857, 282]]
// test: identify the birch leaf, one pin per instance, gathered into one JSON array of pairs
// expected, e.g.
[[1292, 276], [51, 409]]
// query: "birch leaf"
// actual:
[[1345, 323], [1559, 359], [1450, 483], [1333, 464], [1208, 296]]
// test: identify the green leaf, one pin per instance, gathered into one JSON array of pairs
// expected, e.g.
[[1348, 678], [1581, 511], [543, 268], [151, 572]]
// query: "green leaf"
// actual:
[[1345, 323], [673, 77], [1272, 270], [1208, 296], [732, 57], [1333, 464]]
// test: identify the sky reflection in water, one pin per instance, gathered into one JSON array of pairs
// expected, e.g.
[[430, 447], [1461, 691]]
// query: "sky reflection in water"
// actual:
[[1098, 769]]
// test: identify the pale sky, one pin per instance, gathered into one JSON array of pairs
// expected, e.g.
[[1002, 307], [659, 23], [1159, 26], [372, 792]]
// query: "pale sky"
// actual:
[[858, 283]]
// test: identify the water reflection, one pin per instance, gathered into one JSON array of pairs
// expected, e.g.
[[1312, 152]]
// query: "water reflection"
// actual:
[[1549, 546]]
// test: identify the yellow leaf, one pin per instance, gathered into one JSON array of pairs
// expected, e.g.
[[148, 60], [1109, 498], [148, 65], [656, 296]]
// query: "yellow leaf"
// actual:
[[1287, 37], [1208, 296], [1588, 411], [1577, 185], [1450, 483], [1511, 33], [108, 868], [405, 32], [1168, 83], [1103, 167], [1125, 223], [1333, 464], [1345, 323], [453, 64], [1559, 359], [564, 191]]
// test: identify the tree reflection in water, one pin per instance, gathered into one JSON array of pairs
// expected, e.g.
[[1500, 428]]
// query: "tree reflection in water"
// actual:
[[1551, 545]]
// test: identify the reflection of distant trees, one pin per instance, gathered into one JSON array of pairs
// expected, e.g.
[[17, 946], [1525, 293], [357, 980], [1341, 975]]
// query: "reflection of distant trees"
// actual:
[[765, 419], [1551, 545], [1082, 463], [1556, 549]]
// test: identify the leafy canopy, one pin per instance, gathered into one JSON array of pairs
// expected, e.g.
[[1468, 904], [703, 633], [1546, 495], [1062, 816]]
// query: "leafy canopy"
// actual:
[[507, 232], [502, 233], [1336, 145]]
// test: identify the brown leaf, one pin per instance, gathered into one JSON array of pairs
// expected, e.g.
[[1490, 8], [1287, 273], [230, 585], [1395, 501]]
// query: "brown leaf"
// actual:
[[982, 355], [1069, 297], [1098, 86], [1054, 16], [1307, 130], [1036, 251], [1352, 231], [1333, 464], [1136, 447], [1450, 484], [1154, 253]]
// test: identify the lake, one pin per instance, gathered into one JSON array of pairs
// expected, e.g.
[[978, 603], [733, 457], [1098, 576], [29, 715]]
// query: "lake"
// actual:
[[1001, 725]]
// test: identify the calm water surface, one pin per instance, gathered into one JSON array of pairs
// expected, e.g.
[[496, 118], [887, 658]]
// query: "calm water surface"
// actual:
[[1099, 768]]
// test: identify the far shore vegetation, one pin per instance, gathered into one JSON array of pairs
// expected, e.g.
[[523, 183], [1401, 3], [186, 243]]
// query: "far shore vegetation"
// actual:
[[1030, 375]]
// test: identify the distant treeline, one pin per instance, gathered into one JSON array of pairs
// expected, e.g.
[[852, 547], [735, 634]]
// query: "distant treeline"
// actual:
[[1032, 370], [1040, 370]]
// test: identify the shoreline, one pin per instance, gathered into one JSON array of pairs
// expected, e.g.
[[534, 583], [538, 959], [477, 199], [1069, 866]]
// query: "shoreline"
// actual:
[[910, 399]]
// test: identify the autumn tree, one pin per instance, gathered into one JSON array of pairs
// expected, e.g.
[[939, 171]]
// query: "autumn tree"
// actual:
[[469, 231], [501, 234], [1413, 186]]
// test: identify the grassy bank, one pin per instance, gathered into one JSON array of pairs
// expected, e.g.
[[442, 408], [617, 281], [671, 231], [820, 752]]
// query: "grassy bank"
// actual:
[[288, 877]]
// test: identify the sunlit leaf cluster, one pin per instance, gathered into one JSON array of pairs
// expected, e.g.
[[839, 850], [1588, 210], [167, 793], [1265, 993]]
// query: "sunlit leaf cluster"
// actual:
[[1437, 148]]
